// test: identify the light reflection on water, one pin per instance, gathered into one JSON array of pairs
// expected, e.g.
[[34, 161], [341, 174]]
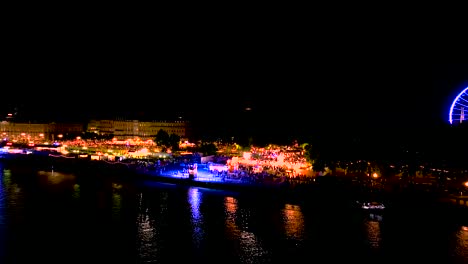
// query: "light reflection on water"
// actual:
[[3, 216], [293, 222], [76, 192], [461, 244], [161, 223], [12, 196], [147, 234], [116, 201], [54, 177], [2, 198], [372, 227], [195, 199], [249, 247]]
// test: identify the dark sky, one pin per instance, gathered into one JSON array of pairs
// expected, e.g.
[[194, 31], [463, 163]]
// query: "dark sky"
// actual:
[[289, 85]]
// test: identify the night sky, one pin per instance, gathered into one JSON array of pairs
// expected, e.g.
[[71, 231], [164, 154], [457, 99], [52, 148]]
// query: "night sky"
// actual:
[[224, 84]]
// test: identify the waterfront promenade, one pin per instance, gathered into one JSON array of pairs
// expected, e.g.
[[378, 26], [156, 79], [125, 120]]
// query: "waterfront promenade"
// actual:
[[322, 186]]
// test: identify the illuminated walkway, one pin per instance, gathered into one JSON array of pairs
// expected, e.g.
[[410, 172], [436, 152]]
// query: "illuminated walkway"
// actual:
[[203, 175]]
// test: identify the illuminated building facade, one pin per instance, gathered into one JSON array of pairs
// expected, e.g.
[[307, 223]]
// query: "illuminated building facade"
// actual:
[[37, 132], [120, 129], [144, 130]]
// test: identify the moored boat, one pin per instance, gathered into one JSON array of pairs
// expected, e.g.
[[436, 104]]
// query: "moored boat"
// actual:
[[373, 206]]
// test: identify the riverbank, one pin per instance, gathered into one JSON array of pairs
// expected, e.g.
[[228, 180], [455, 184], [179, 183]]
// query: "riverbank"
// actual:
[[329, 189]]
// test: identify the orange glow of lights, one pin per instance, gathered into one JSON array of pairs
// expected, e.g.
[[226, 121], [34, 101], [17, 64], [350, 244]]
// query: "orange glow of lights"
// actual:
[[231, 204]]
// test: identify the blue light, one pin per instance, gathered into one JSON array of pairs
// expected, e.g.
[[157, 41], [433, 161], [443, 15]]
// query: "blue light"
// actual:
[[464, 92]]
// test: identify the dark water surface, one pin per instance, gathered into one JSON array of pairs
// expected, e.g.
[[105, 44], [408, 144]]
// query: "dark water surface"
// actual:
[[54, 217]]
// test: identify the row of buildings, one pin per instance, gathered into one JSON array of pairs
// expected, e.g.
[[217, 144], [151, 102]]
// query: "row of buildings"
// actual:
[[119, 129]]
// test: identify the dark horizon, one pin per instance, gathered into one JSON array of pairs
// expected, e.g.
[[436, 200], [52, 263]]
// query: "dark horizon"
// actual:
[[285, 97], [77, 70], [399, 94]]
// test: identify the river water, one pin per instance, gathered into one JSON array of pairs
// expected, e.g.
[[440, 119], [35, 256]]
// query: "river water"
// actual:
[[55, 217]]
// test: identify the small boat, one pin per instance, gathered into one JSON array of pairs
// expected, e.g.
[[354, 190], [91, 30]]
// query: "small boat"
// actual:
[[372, 206]]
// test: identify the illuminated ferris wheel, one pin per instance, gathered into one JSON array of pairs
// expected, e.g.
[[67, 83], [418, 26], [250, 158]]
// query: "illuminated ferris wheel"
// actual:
[[459, 108]]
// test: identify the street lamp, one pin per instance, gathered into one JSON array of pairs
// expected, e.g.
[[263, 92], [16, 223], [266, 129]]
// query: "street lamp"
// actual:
[[465, 184], [375, 175]]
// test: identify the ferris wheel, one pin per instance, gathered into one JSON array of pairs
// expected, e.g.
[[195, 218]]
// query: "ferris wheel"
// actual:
[[459, 109]]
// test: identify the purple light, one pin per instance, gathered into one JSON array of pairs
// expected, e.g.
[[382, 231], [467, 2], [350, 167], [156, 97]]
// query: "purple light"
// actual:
[[455, 102]]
